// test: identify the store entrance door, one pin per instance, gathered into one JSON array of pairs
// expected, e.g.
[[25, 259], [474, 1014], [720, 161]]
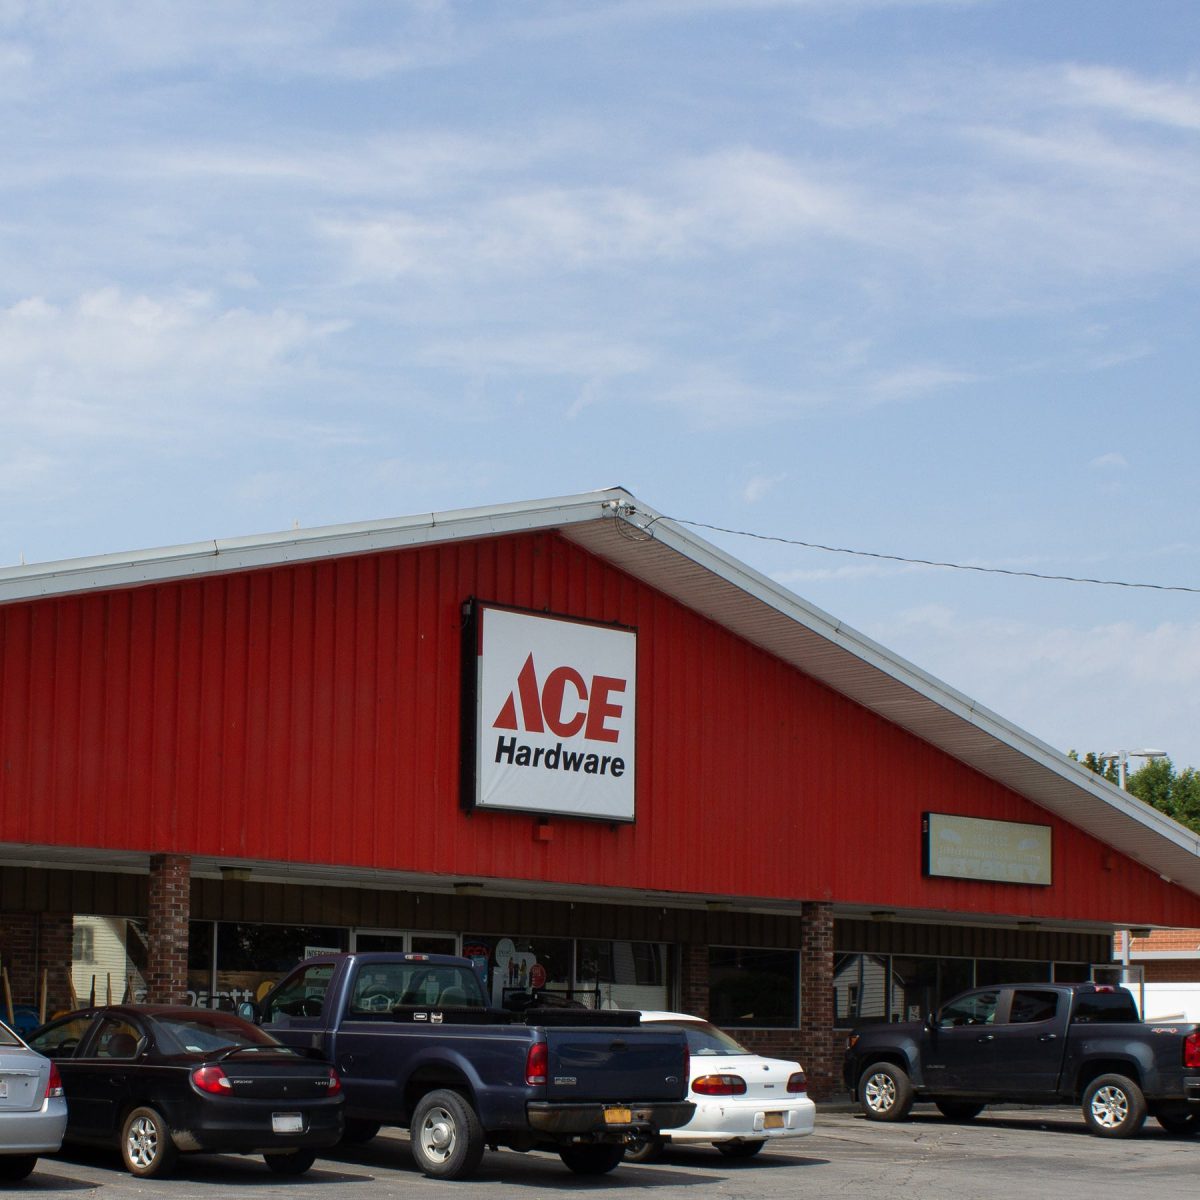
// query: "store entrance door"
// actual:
[[403, 941]]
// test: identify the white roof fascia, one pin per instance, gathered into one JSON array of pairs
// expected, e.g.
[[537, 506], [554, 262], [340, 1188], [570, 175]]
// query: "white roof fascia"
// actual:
[[225, 555]]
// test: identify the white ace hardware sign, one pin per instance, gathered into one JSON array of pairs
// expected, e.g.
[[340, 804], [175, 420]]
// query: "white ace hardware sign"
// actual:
[[555, 716]]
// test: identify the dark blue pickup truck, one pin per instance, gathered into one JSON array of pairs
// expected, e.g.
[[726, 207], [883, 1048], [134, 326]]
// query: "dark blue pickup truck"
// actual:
[[417, 1045], [1033, 1043]]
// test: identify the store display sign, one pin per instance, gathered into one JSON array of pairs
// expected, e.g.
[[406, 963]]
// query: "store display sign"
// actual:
[[554, 715], [1001, 851]]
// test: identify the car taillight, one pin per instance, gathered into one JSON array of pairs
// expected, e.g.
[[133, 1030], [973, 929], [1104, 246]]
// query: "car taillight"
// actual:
[[719, 1085], [851, 1041], [54, 1087], [335, 1082], [1191, 1050], [213, 1080], [536, 1064], [797, 1082]]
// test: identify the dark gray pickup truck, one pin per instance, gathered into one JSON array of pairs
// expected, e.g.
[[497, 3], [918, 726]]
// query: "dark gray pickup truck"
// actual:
[[1033, 1043], [416, 1045]]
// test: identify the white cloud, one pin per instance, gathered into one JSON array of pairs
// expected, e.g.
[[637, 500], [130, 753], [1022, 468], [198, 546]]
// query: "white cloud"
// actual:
[[113, 364], [1126, 95], [1110, 460], [758, 486]]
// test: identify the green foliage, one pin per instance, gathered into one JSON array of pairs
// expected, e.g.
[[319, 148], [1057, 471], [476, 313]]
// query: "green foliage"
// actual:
[[1175, 793], [1157, 783]]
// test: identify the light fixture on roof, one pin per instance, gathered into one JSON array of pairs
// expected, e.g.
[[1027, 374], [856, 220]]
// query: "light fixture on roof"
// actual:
[[883, 914], [1122, 757], [468, 887], [235, 874]]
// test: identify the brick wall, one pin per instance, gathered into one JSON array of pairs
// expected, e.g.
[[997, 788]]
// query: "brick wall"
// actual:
[[1167, 939], [167, 928], [1172, 970], [30, 944]]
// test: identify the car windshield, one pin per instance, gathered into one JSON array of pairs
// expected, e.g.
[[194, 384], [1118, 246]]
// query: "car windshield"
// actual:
[[207, 1032], [704, 1039]]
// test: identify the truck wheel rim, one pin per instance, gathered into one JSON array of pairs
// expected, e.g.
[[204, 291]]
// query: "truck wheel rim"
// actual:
[[1110, 1107], [142, 1142], [880, 1093], [437, 1135]]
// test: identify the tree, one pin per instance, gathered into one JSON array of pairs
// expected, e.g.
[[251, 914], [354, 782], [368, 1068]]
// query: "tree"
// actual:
[[1157, 783]]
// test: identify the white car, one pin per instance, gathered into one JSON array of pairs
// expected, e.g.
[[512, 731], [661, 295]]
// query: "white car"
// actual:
[[33, 1112], [742, 1100]]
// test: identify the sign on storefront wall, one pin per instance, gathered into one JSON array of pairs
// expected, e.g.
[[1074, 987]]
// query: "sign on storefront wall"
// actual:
[[554, 714], [1001, 851]]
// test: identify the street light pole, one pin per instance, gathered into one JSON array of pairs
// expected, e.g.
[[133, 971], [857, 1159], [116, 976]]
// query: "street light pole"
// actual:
[[1122, 757]]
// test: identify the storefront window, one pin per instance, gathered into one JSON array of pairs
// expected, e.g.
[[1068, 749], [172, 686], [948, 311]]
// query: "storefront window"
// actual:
[[860, 988], [514, 967], [108, 959], [622, 974], [993, 970], [753, 988], [251, 958]]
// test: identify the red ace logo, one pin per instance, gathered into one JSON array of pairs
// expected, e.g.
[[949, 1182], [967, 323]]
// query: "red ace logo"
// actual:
[[565, 704]]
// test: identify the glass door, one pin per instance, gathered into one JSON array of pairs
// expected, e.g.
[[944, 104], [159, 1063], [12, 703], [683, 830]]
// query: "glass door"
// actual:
[[403, 941]]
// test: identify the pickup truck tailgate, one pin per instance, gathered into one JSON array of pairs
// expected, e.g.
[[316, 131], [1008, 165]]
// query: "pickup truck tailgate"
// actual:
[[638, 1064]]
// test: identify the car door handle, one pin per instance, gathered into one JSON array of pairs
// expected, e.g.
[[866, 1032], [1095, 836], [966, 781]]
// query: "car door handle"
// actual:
[[988, 1037], [1048, 1037]]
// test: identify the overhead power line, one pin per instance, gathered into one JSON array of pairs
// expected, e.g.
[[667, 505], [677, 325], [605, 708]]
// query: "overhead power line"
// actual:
[[929, 562]]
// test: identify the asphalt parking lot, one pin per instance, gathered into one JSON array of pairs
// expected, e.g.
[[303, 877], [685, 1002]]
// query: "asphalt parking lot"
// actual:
[[1007, 1154]]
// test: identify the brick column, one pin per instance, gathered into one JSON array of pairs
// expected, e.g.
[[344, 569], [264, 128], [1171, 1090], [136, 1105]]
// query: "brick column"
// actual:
[[693, 980], [822, 1057], [167, 930]]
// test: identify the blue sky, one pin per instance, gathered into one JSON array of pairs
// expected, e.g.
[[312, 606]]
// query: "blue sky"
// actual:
[[910, 276]]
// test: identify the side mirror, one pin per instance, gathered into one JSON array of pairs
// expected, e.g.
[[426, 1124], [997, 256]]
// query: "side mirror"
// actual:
[[249, 1012]]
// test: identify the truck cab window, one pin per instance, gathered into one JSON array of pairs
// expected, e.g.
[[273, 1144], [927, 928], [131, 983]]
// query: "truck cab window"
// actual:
[[978, 1008], [1031, 1006]]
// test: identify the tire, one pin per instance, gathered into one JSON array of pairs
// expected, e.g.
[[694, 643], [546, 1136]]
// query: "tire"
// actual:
[[1113, 1107], [959, 1110], [885, 1092], [358, 1132], [15, 1167], [644, 1150], [596, 1159], [1179, 1124], [740, 1149], [291, 1162], [446, 1137], [146, 1146]]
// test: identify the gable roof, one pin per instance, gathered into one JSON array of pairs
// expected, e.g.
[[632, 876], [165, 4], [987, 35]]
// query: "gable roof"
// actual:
[[617, 528]]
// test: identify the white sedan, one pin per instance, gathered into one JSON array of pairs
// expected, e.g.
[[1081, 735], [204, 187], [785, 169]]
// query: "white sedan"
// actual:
[[742, 1099]]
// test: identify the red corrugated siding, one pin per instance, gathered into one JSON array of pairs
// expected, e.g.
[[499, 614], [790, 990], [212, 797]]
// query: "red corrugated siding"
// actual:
[[310, 713]]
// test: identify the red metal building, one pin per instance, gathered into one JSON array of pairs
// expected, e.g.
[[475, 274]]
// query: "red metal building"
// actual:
[[218, 756]]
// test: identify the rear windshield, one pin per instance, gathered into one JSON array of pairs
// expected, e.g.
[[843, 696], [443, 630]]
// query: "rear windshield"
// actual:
[[1093, 1007], [380, 987], [702, 1038], [208, 1032]]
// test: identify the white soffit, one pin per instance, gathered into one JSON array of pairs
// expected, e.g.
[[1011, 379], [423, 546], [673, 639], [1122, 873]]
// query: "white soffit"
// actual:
[[616, 527]]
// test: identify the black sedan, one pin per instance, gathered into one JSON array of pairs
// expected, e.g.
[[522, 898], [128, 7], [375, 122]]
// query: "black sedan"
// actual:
[[159, 1080]]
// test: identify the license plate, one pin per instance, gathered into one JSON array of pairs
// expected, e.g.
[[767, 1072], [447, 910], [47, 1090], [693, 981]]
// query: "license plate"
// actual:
[[287, 1123], [617, 1116], [773, 1120]]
